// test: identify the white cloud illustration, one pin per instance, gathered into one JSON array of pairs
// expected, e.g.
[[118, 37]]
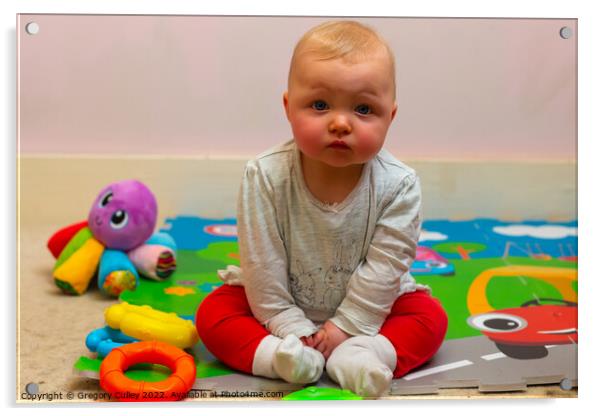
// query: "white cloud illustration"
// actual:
[[536, 231], [432, 236]]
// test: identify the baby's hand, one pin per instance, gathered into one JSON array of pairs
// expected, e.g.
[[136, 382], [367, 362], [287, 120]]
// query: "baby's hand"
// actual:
[[328, 338], [308, 341], [312, 340]]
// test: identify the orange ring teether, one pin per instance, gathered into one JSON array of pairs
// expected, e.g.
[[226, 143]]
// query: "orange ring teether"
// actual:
[[122, 388]]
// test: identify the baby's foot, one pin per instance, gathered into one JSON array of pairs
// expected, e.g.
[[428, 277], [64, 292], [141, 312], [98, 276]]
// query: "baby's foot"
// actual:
[[297, 363], [363, 365]]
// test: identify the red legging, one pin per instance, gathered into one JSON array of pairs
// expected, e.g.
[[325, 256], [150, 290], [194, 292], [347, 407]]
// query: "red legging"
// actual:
[[416, 327]]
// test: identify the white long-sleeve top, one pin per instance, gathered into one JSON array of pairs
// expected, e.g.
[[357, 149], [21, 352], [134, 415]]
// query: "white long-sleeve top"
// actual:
[[304, 262]]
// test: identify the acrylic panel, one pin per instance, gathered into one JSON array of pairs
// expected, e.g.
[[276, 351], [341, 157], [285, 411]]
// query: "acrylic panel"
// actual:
[[487, 116]]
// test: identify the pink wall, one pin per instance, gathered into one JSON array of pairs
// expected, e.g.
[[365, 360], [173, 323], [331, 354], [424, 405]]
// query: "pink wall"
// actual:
[[212, 86]]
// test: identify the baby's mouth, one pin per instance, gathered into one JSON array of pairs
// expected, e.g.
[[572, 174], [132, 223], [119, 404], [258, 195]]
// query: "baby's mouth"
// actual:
[[339, 144]]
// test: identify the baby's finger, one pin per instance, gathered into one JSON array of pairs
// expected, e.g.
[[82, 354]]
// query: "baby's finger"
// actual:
[[318, 345], [310, 341], [327, 351], [321, 346], [318, 337]]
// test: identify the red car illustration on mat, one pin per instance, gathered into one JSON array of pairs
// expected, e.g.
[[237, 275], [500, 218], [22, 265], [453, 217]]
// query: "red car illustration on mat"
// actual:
[[524, 332]]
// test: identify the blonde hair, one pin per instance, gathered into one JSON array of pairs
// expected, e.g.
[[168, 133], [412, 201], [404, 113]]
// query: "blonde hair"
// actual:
[[346, 39]]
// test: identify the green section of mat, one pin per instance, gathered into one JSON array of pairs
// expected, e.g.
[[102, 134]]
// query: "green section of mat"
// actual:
[[502, 292], [195, 277], [153, 372], [138, 372]]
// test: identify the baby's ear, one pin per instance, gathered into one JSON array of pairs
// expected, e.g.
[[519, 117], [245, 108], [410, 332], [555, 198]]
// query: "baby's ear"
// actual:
[[285, 102], [394, 112]]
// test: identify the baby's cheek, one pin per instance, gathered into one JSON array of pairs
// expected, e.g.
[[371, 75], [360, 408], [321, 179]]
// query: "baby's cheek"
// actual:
[[307, 135], [369, 141]]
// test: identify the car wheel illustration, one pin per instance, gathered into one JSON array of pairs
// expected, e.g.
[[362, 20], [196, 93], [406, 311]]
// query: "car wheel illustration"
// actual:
[[522, 352]]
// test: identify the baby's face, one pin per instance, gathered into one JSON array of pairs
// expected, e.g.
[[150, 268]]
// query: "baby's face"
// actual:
[[340, 112]]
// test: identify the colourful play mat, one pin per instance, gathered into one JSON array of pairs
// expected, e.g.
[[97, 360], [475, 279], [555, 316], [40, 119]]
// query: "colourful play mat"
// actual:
[[509, 288]]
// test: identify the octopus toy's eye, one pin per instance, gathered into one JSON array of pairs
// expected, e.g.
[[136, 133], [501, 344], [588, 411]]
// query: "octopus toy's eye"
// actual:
[[497, 322], [106, 198], [119, 219]]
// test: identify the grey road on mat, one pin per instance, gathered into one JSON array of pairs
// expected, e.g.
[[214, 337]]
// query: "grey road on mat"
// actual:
[[476, 362], [468, 362]]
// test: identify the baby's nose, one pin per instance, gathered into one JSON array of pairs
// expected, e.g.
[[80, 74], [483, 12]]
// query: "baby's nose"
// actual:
[[339, 125]]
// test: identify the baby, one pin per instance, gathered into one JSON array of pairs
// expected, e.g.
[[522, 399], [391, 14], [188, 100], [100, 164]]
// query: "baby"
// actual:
[[328, 225]]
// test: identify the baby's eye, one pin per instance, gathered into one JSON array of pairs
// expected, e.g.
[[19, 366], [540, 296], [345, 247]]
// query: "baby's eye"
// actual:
[[363, 109], [319, 105]]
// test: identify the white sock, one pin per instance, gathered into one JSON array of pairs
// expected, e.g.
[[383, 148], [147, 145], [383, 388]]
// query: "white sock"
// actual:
[[363, 365], [265, 352], [288, 359]]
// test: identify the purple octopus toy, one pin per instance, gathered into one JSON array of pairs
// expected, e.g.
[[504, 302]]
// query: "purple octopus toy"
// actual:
[[116, 243]]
